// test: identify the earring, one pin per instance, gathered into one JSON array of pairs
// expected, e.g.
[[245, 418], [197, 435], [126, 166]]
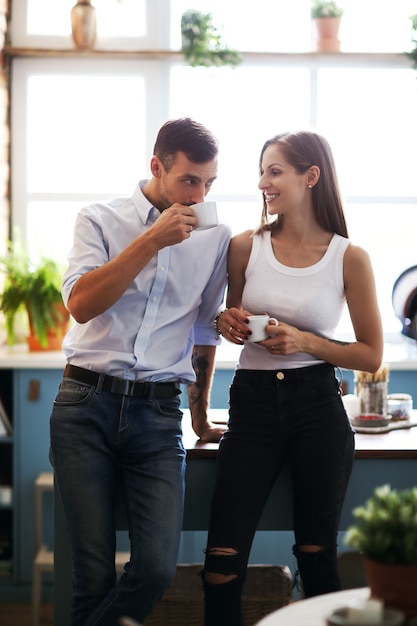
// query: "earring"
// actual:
[[310, 186]]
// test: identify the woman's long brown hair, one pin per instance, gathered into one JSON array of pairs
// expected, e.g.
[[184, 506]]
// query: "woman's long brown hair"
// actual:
[[302, 149]]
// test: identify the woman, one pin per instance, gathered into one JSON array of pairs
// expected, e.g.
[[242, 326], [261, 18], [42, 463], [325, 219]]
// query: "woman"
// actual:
[[285, 400]]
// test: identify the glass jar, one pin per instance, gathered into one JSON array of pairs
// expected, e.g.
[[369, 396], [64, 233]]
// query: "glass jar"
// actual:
[[399, 406], [372, 396]]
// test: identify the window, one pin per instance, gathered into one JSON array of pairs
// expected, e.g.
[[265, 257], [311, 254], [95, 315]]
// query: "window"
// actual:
[[83, 128]]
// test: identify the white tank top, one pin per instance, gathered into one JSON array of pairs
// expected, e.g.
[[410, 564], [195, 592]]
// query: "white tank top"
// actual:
[[309, 298]]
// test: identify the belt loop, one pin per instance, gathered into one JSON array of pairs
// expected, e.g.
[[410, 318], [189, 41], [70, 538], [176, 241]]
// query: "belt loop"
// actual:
[[100, 382], [149, 390]]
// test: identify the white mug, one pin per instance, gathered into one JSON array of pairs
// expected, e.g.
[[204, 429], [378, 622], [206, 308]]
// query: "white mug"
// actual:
[[206, 213], [6, 494], [257, 324]]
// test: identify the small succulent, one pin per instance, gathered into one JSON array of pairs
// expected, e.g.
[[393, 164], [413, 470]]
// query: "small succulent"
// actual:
[[326, 8]]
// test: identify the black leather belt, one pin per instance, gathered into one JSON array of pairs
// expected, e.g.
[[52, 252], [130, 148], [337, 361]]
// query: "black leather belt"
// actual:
[[122, 386]]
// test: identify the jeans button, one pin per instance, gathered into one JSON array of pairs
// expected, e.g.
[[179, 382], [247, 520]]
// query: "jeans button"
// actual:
[[280, 375]]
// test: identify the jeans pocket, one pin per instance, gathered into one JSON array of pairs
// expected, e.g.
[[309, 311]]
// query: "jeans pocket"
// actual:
[[71, 392], [168, 407]]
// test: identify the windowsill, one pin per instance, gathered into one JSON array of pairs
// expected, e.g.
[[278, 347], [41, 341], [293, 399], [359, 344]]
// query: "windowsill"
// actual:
[[370, 58]]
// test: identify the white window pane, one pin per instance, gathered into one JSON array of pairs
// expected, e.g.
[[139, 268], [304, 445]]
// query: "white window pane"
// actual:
[[85, 133], [376, 25], [232, 103], [58, 16], [273, 26], [240, 215], [367, 116], [367, 25], [387, 232], [55, 241], [115, 18]]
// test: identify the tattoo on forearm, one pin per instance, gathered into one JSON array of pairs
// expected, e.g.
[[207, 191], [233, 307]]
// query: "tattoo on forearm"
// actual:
[[336, 341], [339, 343], [200, 365]]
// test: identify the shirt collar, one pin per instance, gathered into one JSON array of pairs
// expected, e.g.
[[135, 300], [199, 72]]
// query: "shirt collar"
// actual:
[[145, 209]]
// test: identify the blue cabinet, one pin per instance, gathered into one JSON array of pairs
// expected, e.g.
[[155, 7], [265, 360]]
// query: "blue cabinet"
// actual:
[[34, 392], [25, 454]]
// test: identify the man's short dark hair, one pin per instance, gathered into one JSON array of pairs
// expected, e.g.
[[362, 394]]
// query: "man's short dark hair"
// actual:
[[185, 135]]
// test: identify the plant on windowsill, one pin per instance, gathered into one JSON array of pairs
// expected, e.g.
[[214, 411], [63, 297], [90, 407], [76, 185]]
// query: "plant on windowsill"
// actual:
[[325, 8], [36, 289], [326, 16], [413, 54], [386, 534], [202, 43]]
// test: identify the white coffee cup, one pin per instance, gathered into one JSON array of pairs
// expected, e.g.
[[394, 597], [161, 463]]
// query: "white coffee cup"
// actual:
[[257, 324], [6, 494], [206, 213]]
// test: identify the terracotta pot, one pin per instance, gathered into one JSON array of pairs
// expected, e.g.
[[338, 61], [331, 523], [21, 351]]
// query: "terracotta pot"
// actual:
[[84, 24], [54, 336], [396, 585], [325, 35]]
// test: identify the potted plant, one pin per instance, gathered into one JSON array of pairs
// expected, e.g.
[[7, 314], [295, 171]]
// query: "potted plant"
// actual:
[[35, 288], [326, 16], [413, 53], [386, 534], [202, 43]]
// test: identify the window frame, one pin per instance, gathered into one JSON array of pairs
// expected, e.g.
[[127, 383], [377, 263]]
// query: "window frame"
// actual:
[[155, 60]]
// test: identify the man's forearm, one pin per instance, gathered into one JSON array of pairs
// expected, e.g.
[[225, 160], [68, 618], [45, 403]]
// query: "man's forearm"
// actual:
[[203, 360]]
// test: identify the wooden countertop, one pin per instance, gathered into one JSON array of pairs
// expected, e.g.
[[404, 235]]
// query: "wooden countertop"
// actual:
[[396, 444]]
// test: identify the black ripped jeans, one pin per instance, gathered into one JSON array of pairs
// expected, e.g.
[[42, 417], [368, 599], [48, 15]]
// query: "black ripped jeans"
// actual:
[[279, 417]]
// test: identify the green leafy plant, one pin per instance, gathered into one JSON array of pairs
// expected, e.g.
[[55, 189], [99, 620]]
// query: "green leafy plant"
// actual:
[[33, 287], [413, 54], [202, 43], [386, 527], [326, 8]]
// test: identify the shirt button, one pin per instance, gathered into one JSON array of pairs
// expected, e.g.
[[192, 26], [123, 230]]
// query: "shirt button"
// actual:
[[280, 375]]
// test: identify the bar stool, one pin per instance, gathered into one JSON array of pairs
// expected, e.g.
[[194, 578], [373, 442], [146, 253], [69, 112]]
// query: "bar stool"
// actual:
[[43, 561], [44, 558]]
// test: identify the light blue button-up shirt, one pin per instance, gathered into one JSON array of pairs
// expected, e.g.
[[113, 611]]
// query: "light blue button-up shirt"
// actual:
[[149, 333]]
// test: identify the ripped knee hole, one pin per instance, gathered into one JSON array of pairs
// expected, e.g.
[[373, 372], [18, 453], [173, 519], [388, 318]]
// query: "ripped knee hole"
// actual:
[[221, 551], [310, 548], [215, 578]]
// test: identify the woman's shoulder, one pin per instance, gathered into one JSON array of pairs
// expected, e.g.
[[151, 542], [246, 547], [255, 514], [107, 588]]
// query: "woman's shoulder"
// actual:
[[243, 239], [240, 248], [356, 255]]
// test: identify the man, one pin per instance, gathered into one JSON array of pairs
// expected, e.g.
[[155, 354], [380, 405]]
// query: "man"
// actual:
[[144, 288]]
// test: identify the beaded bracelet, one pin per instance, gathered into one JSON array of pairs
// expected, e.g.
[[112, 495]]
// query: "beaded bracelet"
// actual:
[[216, 323]]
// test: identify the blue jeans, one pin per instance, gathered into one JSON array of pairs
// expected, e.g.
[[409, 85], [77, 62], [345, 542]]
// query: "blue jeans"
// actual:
[[297, 418], [104, 444]]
